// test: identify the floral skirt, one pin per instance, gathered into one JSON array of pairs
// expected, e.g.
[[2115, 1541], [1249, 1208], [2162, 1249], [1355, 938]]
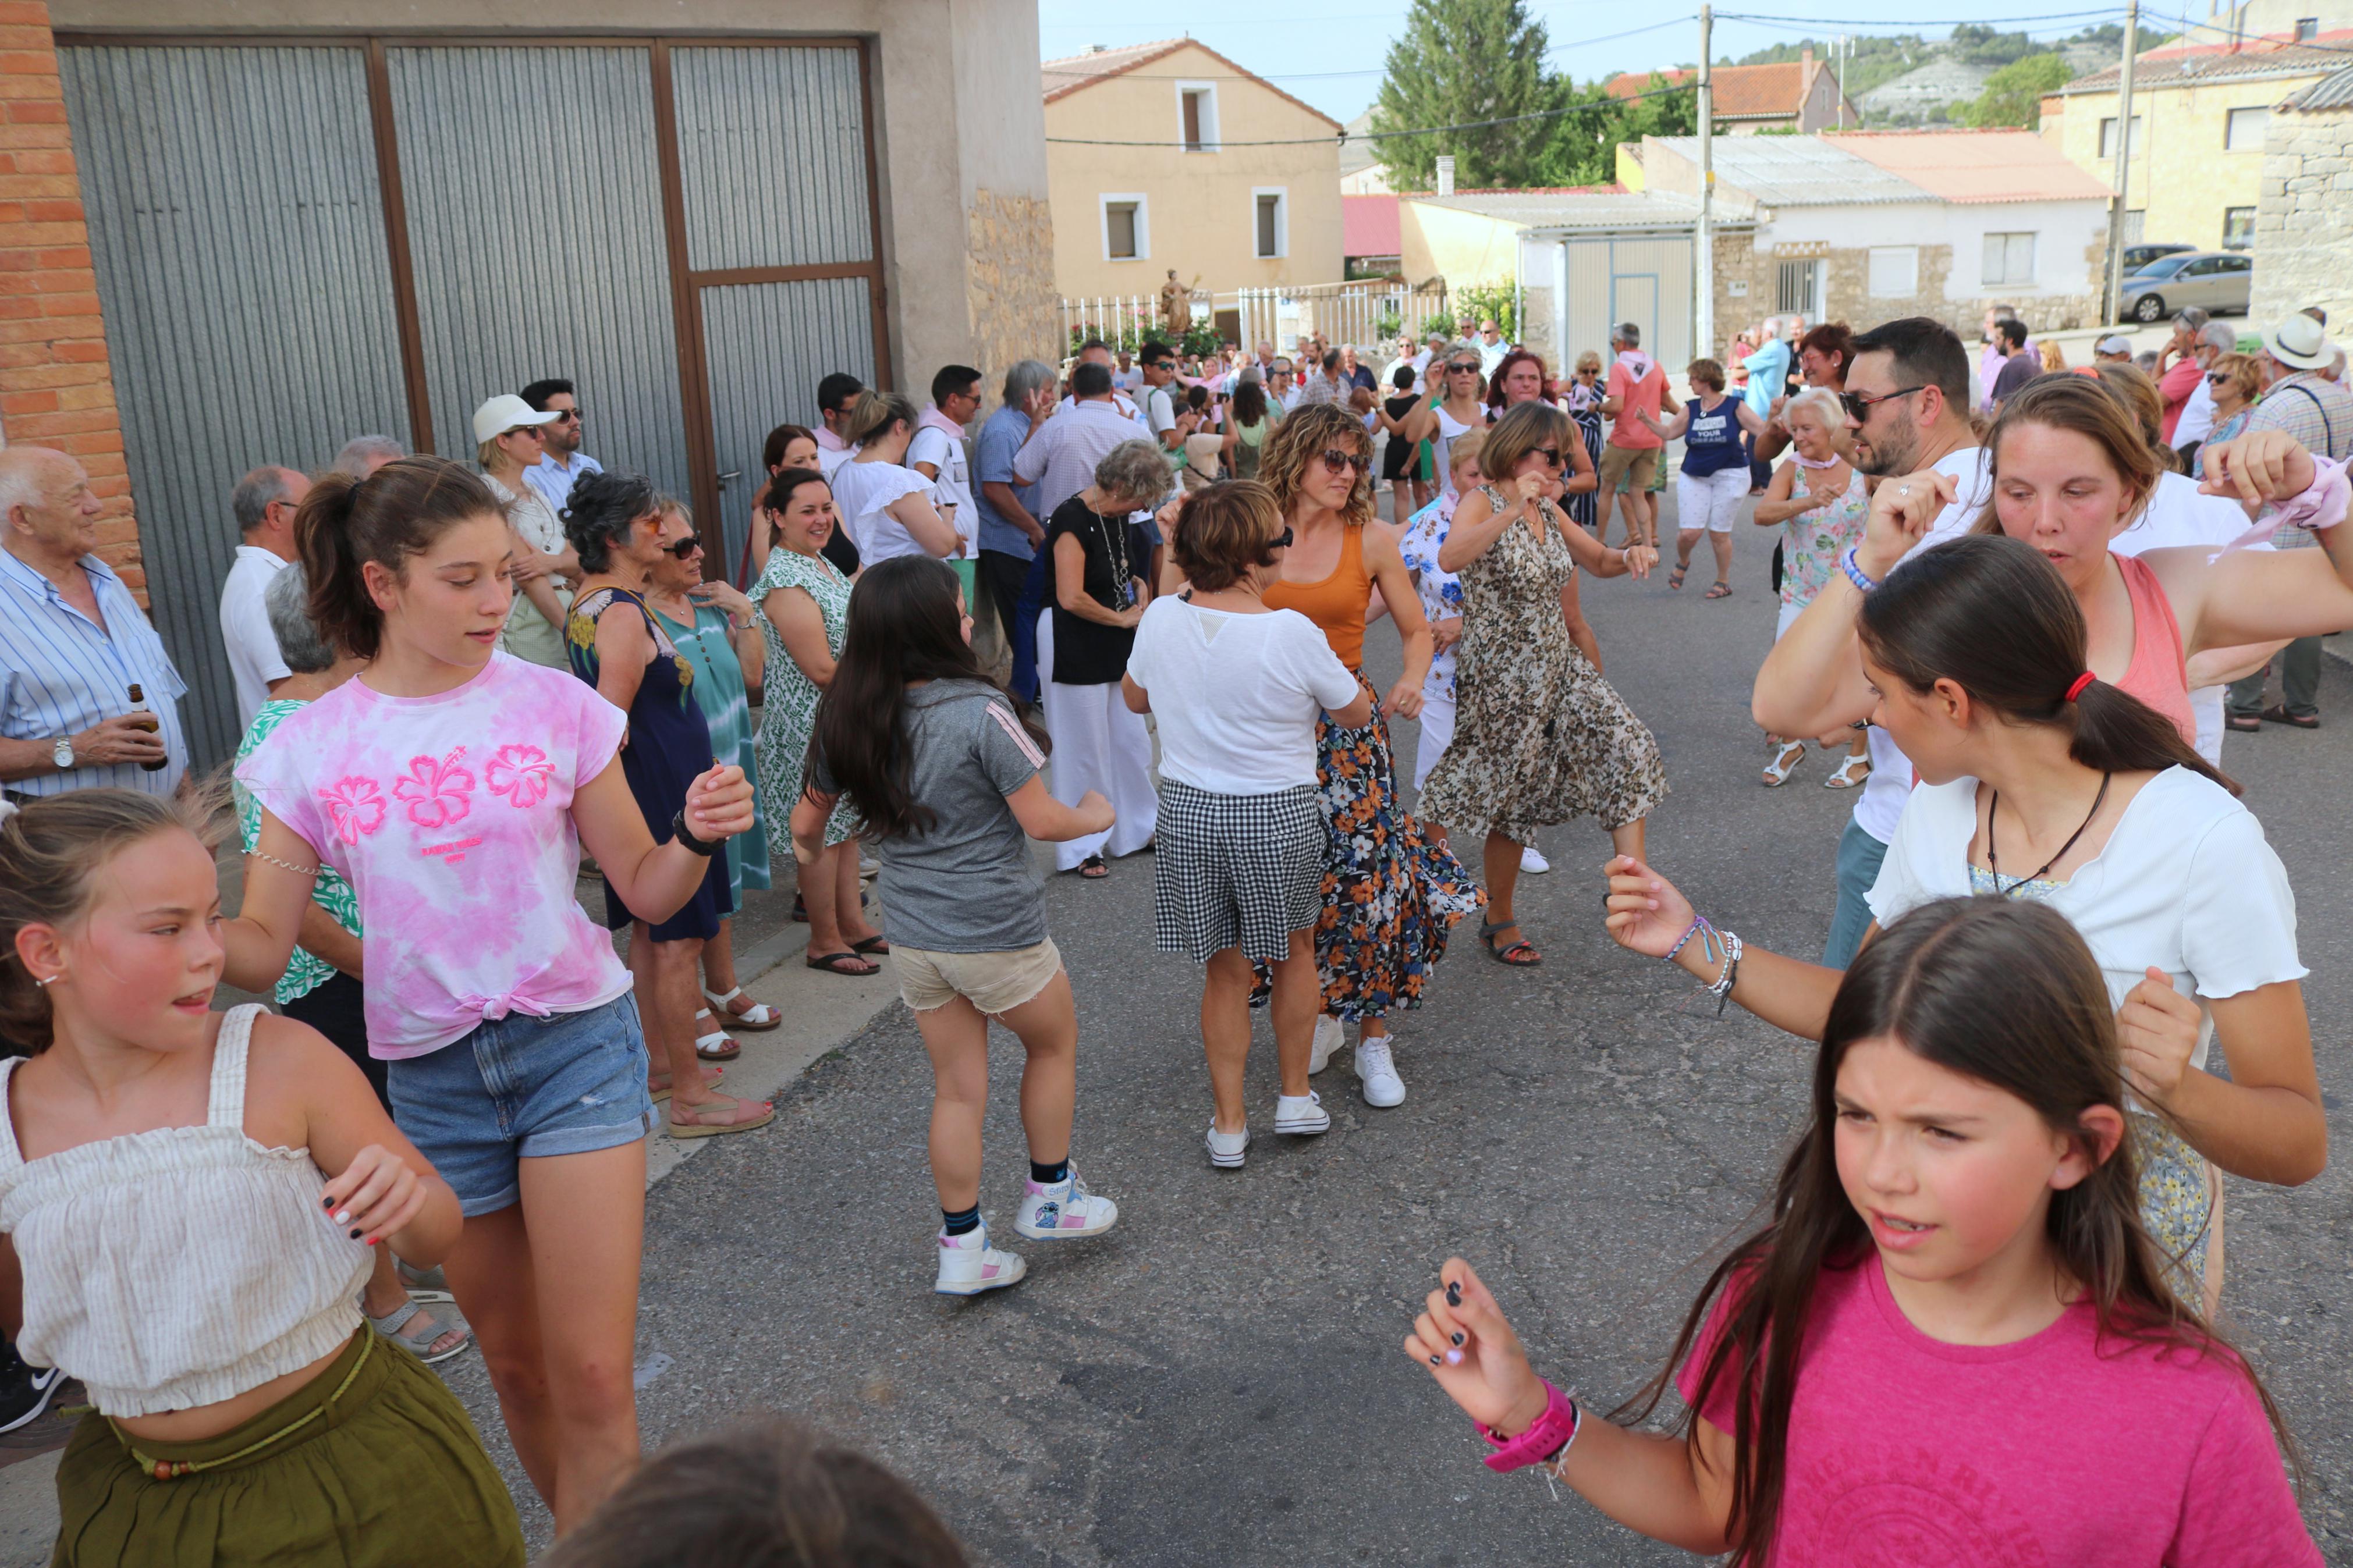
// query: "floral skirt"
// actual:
[[2178, 1196], [1389, 895]]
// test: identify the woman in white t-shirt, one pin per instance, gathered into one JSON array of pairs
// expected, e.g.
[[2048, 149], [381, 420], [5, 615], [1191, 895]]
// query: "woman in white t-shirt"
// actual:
[[1239, 876], [2040, 781], [886, 507]]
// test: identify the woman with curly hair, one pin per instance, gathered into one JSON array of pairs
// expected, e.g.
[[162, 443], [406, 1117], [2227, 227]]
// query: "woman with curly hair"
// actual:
[[1390, 894]]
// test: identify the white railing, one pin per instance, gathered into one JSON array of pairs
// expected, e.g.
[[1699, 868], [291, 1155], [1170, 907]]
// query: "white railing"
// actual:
[[1368, 313]]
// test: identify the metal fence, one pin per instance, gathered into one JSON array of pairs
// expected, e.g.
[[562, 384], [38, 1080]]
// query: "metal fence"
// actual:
[[1364, 314]]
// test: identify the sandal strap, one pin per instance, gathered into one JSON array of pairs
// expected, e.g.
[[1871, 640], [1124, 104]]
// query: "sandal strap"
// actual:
[[716, 1000]]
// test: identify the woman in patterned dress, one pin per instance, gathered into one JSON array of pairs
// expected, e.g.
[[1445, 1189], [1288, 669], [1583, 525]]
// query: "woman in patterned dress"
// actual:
[[804, 610], [616, 524], [713, 626], [1391, 895], [1583, 395], [1539, 737], [1819, 501]]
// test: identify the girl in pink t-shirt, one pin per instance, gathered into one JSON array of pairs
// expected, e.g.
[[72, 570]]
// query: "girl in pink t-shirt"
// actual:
[[1955, 1342], [453, 787]]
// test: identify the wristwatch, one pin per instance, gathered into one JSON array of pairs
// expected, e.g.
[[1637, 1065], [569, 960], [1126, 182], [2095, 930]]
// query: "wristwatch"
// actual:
[[62, 753]]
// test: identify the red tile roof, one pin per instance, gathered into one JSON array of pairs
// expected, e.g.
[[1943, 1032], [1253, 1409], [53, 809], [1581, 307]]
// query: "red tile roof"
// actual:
[[1742, 92], [1369, 227], [1064, 76], [2186, 65]]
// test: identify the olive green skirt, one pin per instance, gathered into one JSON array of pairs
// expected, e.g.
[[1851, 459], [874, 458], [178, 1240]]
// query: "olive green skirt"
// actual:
[[389, 1473]]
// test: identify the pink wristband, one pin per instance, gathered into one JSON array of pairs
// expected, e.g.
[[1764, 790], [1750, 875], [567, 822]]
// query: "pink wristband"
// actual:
[[1549, 1434]]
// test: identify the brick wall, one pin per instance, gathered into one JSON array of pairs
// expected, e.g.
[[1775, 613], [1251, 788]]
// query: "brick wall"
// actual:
[[55, 387]]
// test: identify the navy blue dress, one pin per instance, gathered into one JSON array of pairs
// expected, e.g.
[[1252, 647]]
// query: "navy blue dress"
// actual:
[[668, 748]]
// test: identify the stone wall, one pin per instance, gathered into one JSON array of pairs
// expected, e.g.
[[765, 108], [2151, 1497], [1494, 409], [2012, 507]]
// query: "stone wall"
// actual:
[[55, 387], [2304, 217], [1009, 283], [1847, 294]]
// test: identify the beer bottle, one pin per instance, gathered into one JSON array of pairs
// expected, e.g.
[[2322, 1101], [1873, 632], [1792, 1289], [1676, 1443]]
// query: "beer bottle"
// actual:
[[144, 718]]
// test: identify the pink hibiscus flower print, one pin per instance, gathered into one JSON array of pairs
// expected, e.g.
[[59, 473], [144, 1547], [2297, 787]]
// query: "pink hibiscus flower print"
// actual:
[[521, 774], [355, 805], [437, 794]]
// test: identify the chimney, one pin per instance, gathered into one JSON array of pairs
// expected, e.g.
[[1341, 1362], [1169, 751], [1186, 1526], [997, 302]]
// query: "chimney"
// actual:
[[1446, 173]]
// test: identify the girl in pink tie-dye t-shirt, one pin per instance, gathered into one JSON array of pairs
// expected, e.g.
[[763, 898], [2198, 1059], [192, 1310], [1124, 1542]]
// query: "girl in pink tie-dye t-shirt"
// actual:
[[453, 787]]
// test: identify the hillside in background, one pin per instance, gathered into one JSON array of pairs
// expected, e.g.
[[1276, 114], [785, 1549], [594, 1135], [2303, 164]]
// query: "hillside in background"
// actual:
[[1908, 79]]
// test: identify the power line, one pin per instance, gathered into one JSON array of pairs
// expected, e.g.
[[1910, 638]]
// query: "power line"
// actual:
[[1604, 103], [1918, 22], [1581, 43]]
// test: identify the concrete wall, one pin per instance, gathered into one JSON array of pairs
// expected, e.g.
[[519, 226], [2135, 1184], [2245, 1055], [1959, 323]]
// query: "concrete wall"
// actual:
[[2182, 177], [1466, 248], [957, 131], [2303, 221], [1199, 206]]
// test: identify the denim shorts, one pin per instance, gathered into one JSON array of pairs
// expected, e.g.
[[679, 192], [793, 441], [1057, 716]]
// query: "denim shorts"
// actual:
[[520, 1087]]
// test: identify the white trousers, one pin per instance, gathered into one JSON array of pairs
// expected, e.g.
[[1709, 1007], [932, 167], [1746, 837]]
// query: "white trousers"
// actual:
[[1437, 732], [1710, 503], [1099, 745]]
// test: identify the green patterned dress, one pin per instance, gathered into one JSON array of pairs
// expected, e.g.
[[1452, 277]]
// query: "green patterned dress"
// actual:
[[305, 971], [788, 697], [727, 711]]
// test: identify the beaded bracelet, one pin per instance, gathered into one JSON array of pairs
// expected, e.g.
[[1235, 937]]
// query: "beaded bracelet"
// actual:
[[1721, 988], [1854, 574]]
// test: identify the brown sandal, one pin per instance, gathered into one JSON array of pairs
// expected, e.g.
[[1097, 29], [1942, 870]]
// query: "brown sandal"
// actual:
[[1520, 955], [761, 1114]]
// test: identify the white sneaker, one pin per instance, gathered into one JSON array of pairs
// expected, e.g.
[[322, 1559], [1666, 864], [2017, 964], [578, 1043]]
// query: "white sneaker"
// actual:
[[1226, 1149], [1532, 860], [1329, 1032], [1377, 1074], [1065, 1211], [1303, 1116], [968, 1264]]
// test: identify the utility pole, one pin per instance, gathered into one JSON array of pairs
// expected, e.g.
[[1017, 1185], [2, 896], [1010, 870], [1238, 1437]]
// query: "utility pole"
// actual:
[[2116, 294], [1705, 283]]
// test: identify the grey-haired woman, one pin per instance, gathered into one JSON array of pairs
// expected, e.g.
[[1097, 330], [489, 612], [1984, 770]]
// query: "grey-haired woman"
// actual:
[[1100, 581]]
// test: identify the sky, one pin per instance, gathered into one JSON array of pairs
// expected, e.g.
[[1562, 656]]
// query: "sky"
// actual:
[[1330, 52]]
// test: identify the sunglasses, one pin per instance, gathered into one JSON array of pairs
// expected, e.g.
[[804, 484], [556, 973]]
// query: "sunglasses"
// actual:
[[1458, 369], [1336, 461], [685, 547], [1859, 405], [1550, 454], [1281, 541], [567, 417], [534, 431], [2218, 378]]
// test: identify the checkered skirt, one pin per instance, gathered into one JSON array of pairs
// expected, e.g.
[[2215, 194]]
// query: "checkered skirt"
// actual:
[[1235, 871]]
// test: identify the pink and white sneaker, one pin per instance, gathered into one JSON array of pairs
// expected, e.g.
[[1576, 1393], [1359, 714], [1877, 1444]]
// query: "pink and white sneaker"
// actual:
[[1065, 1211], [968, 1264]]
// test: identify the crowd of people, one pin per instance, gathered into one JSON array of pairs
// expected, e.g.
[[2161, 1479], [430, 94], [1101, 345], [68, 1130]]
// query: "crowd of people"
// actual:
[[2009, 597]]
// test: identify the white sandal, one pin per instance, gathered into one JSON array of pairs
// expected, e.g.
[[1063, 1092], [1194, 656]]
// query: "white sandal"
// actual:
[[1777, 772], [761, 1017], [1846, 777], [714, 1046]]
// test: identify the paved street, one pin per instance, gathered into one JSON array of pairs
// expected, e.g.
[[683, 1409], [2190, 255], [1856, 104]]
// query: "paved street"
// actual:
[[1220, 1380]]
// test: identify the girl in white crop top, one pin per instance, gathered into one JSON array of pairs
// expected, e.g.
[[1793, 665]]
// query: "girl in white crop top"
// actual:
[[189, 1199]]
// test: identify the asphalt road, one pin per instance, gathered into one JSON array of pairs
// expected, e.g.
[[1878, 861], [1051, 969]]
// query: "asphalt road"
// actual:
[[1220, 1380]]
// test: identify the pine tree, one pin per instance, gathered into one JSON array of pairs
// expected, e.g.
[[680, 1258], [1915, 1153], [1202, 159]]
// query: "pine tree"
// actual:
[[1460, 61], [1581, 148]]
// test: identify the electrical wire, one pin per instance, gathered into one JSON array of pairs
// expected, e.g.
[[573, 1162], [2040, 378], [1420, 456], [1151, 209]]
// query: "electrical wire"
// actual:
[[1606, 103], [1581, 43], [1839, 26]]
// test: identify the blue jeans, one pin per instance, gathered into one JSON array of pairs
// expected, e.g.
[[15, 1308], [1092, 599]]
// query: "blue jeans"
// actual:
[[1859, 855]]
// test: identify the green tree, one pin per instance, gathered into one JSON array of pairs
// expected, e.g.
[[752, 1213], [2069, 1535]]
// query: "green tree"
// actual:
[[2013, 95], [1581, 148], [1459, 61]]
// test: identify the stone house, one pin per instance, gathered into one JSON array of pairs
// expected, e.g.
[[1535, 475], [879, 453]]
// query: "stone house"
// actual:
[[2304, 214]]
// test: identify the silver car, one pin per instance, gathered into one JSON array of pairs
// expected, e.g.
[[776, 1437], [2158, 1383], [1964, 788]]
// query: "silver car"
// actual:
[[2216, 281]]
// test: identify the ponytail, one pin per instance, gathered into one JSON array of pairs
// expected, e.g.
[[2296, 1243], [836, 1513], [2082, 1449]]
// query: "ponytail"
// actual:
[[394, 514], [1991, 615], [874, 413]]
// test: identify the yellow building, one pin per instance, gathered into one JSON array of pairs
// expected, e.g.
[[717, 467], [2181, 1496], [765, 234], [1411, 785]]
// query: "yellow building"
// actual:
[[2199, 114], [1202, 193]]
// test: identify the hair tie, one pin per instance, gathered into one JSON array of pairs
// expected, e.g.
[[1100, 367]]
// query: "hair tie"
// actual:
[[2081, 682]]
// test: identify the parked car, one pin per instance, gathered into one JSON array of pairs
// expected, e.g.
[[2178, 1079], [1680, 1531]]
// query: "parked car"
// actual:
[[2139, 256], [2215, 280]]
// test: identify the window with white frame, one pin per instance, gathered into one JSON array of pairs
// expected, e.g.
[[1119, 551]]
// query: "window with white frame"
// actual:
[[1797, 288], [1270, 221], [1126, 226], [1894, 272], [2243, 129], [2009, 259], [2109, 136], [1197, 116]]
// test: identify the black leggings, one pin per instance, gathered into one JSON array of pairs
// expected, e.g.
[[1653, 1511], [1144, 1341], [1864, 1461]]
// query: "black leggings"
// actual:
[[339, 1011]]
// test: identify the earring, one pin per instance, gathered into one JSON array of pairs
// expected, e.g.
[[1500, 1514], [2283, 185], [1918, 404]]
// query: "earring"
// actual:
[[47, 980]]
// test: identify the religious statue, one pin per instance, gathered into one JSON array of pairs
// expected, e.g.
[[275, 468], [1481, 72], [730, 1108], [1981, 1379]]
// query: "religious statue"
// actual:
[[1175, 307]]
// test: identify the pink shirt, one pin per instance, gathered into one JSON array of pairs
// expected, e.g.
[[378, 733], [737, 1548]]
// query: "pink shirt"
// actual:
[[451, 818], [1647, 393], [1906, 1452]]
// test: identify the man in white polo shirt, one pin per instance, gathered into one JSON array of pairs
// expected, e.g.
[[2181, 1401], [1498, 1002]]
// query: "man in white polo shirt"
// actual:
[[264, 504]]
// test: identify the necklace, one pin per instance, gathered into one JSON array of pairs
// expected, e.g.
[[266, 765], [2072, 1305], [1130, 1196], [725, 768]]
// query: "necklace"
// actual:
[[1993, 861], [1115, 543]]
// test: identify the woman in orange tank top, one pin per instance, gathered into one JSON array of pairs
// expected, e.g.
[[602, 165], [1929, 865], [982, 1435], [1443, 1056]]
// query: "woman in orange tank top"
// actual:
[[1390, 893]]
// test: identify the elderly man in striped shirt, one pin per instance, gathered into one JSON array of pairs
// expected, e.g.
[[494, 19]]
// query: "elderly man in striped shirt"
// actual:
[[73, 645]]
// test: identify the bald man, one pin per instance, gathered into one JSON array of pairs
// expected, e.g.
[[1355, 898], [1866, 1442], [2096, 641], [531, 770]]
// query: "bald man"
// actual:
[[72, 643], [264, 504]]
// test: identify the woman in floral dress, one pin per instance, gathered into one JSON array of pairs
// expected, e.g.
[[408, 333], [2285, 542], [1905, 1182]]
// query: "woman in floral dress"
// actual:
[[1539, 737], [803, 607], [1391, 895], [1820, 500]]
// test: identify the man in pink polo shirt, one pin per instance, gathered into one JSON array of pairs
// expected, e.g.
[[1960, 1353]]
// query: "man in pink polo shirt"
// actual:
[[1636, 385]]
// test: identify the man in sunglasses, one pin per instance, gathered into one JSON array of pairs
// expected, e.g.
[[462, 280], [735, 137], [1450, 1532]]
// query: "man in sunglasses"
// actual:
[[1907, 406], [555, 475]]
